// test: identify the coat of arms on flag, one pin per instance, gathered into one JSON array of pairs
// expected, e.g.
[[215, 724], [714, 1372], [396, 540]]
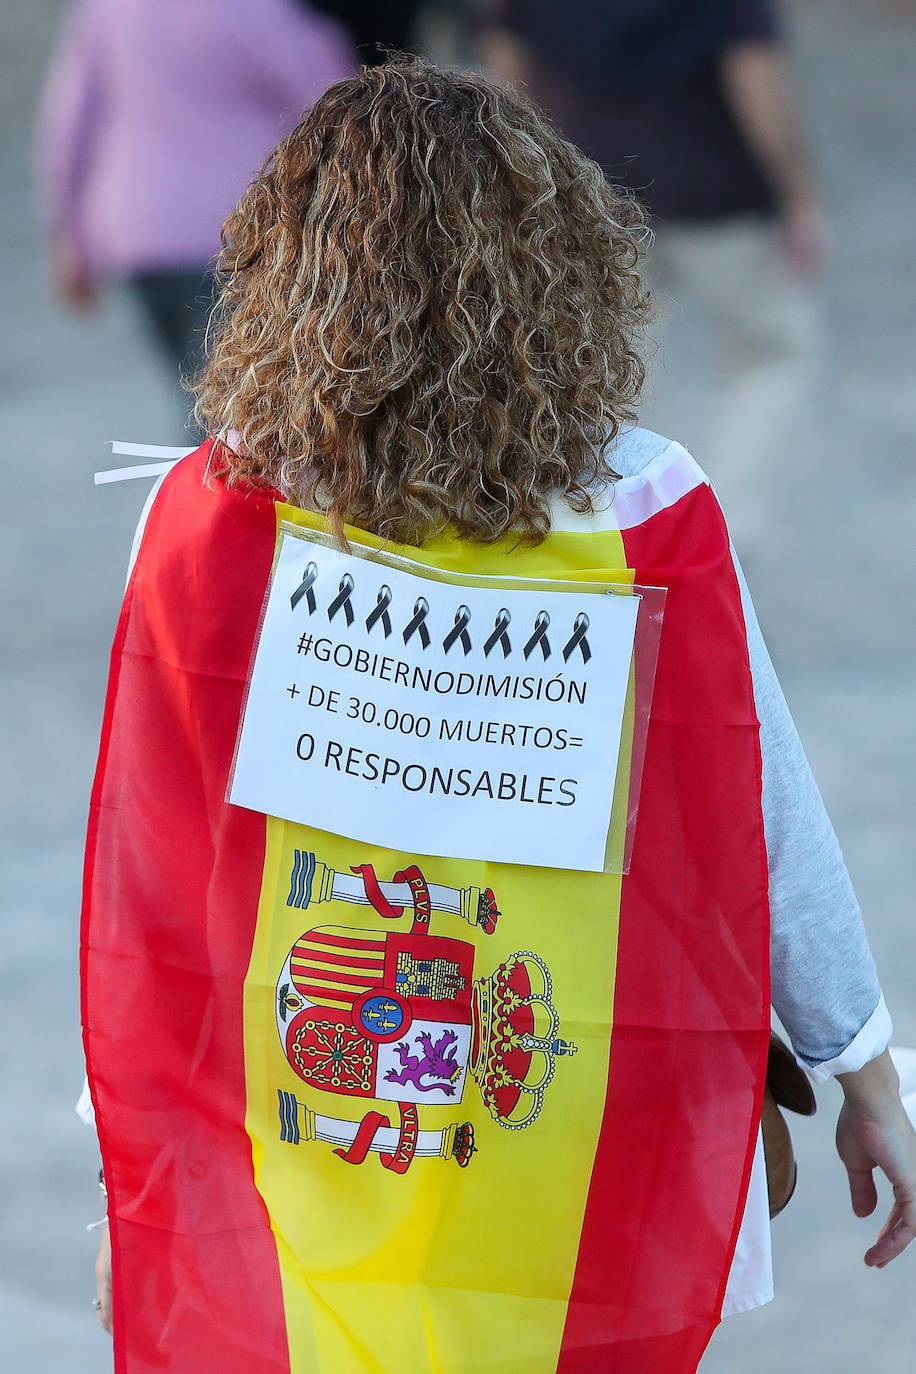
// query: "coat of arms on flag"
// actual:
[[396, 1015]]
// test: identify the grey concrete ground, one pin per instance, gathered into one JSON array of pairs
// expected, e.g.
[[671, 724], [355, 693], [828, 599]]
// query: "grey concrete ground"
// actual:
[[836, 597]]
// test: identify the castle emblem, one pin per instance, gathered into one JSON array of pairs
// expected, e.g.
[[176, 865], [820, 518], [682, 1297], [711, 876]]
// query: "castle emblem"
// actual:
[[395, 1015]]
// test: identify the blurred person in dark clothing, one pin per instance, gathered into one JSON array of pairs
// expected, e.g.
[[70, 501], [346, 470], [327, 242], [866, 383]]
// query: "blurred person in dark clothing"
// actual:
[[155, 118], [689, 103], [376, 28]]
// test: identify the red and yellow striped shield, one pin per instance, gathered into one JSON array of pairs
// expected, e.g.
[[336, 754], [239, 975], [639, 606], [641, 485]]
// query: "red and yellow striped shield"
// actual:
[[366, 1112]]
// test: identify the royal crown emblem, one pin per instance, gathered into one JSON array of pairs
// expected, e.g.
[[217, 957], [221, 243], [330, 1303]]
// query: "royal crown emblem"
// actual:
[[395, 1016]]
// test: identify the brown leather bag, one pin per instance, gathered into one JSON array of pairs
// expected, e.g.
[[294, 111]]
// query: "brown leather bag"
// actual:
[[788, 1088]]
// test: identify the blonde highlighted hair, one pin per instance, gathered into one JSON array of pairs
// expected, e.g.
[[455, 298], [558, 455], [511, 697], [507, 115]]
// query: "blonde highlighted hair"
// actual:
[[429, 313]]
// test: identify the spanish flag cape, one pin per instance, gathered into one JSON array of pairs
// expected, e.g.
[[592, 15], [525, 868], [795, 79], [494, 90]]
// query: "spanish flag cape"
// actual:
[[366, 1112]]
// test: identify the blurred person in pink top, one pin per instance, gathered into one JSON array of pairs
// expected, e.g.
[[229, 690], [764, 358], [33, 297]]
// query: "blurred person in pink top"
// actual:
[[156, 115]]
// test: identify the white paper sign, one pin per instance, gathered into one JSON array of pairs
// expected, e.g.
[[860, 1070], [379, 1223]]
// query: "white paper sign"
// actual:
[[433, 718]]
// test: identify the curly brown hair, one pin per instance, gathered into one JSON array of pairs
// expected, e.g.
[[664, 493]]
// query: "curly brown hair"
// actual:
[[430, 312]]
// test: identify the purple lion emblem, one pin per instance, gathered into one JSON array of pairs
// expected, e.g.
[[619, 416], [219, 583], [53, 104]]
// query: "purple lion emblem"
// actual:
[[438, 1062]]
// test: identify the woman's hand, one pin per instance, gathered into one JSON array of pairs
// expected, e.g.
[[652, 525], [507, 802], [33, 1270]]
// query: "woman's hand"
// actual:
[[803, 236], [874, 1132], [71, 276], [103, 1280]]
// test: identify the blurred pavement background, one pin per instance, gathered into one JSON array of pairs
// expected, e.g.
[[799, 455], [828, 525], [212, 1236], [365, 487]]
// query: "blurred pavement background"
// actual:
[[835, 592]]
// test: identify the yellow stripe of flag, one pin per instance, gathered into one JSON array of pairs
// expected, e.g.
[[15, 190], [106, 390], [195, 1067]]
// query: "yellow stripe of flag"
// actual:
[[442, 1268]]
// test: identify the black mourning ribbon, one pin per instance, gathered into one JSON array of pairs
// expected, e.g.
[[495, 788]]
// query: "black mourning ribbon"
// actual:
[[459, 630], [577, 639], [539, 636], [416, 625], [498, 635], [305, 589], [342, 599], [380, 611]]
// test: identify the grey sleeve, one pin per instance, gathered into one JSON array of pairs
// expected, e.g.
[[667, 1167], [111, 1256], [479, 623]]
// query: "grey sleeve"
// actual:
[[824, 983]]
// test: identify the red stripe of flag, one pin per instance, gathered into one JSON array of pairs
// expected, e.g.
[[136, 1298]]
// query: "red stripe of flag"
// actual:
[[345, 941], [691, 1008], [334, 977], [196, 1278], [350, 961]]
